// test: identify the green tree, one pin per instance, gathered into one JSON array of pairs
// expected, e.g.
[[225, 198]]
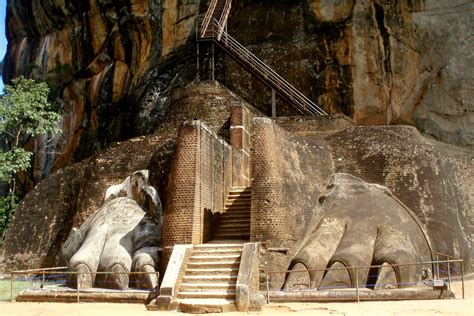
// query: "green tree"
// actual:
[[24, 112]]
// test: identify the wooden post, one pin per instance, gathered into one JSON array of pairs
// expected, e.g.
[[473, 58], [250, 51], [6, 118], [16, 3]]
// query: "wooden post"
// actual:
[[274, 109]]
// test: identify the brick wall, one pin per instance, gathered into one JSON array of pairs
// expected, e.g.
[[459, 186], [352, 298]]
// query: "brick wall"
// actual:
[[288, 174], [199, 183], [293, 160], [240, 129]]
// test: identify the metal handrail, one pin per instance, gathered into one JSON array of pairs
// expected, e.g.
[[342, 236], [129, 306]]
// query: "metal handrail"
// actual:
[[266, 71], [224, 16], [215, 29], [208, 17]]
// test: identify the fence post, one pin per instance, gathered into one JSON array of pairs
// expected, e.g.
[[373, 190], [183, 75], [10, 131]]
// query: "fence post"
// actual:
[[449, 276], [77, 286], [437, 266], [462, 278], [268, 289], [43, 280], [11, 287], [357, 285]]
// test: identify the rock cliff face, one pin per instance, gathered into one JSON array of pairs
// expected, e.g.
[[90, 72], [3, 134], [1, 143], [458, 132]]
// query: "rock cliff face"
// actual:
[[113, 63]]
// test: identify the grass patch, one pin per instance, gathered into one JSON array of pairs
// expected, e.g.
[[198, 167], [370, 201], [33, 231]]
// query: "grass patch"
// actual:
[[18, 286]]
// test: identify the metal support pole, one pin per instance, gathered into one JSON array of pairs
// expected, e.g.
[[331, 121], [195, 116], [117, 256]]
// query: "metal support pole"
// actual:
[[198, 76], [357, 285], [77, 286], [43, 281], [462, 278], [437, 266], [274, 109], [268, 289], [213, 75], [11, 287], [449, 276]]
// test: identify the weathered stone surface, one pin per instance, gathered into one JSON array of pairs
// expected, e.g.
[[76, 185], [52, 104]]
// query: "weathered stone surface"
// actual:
[[120, 237], [380, 62], [360, 224], [64, 200], [112, 64], [431, 182], [101, 57]]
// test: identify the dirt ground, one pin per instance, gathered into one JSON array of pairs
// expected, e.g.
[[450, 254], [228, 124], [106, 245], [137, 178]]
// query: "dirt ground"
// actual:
[[432, 307]]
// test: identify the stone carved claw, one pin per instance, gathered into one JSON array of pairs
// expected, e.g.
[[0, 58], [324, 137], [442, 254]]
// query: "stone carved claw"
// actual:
[[360, 224], [120, 237]]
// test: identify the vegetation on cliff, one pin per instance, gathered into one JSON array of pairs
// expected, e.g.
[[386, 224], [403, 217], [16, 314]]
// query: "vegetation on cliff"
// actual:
[[25, 112]]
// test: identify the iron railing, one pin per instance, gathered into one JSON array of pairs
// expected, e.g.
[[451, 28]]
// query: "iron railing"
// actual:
[[267, 75]]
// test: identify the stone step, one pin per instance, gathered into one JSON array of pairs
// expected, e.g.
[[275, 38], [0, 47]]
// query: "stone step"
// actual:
[[232, 213], [216, 271], [225, 236], [220, 245], [209, 279], [214, 265], [240, 189], [228, 258], [228, 295], [237, 203], [235, 221], [240, 232], [239, 195], [235, 209], [207, 287], [206, 305], [216, 252], [235, 228]]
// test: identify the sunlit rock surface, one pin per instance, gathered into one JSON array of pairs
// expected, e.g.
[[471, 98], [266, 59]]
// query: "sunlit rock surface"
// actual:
[[113, 63]]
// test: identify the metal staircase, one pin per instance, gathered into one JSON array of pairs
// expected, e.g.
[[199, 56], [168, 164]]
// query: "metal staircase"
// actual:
[[213, 28]]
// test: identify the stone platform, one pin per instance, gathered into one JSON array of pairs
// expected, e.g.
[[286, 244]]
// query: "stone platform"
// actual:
[[95, 295]]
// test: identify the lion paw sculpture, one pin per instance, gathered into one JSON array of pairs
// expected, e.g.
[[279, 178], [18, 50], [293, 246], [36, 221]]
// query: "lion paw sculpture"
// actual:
[[122, 236], [359, 225]]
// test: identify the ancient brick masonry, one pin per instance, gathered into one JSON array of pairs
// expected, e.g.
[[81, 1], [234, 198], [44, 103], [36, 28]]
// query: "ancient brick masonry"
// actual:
[[289, 172], [200, 179]]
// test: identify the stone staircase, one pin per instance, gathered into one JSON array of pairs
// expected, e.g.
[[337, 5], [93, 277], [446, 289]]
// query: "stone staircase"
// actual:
[[234, 223], [210, 277]]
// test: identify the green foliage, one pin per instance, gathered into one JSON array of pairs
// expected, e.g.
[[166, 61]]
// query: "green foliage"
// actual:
[[25, 108], [25, 112], [7, 209]]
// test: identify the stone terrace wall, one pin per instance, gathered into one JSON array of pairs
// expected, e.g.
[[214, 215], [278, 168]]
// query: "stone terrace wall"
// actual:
[[45, 217], [425, 180], [293, 159], [199, 183], [289, 172]]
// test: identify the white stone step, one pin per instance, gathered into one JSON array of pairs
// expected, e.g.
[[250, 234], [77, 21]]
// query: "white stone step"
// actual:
[[214, 265], [208, 258], [207, 279], [228, 295], [216, 271], [207, 287], [206, 305]]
